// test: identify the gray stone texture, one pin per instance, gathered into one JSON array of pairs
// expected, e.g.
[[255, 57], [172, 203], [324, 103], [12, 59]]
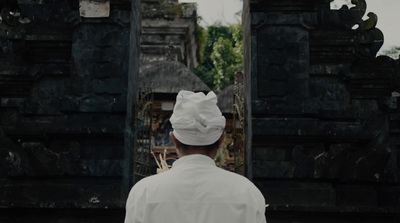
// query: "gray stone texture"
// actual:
[[66, 135], [169, 32], [322, 131]]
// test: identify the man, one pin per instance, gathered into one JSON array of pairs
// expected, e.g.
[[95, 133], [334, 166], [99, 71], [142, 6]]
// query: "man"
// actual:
[[195, 190]]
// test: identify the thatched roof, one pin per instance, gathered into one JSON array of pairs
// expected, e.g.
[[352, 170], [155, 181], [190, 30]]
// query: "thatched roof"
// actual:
[[170, 77], [225, 98]]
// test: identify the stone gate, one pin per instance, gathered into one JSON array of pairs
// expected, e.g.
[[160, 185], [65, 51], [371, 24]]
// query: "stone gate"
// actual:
[[322, 121], [68, 84]]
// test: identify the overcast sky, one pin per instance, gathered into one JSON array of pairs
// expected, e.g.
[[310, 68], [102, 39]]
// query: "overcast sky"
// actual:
[[223, 11]]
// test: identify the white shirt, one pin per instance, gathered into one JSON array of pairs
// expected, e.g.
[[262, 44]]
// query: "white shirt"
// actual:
[[195, 191]]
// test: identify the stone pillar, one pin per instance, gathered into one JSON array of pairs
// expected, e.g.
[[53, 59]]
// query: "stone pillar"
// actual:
[[68, 85], [132, 95], [276, 66], [321, 120]]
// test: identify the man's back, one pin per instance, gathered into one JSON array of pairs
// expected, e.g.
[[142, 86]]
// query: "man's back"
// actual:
[[195, 191]]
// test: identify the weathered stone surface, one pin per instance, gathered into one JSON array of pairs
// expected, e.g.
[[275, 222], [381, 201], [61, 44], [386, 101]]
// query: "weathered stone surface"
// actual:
[[389, 196], [26, 194], [305, 163], [108, 70], [356, 195], [272, 153], [321, 107], [329, 164], [286, 126], [55, 16], [168, 32], [63, 90], [281, 214], [293, 193], [85, 158], [48, 215], [273, 169], [14, 161], [282, 57], [62, 194]]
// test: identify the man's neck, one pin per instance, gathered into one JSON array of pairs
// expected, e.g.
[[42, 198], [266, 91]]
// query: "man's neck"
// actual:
[[192, 151]]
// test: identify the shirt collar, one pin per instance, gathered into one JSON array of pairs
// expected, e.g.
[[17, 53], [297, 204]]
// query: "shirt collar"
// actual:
[[194, 159]]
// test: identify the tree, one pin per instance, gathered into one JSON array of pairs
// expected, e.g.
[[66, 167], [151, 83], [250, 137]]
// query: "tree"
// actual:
[[227, 57], [393, 52], [222, 56]]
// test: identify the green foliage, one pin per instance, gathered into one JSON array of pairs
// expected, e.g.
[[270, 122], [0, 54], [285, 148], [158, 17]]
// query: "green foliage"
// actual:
[[201, 37], [174, 10], [161, 10], [222, 56], [394, 52], [224, 59]]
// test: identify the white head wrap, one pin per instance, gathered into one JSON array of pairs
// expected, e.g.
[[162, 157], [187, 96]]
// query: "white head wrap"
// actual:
[[196, 118]]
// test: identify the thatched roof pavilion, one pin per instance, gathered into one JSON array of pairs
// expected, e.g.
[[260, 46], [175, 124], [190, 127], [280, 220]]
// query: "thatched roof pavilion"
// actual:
[[170, 77], [225, 99]]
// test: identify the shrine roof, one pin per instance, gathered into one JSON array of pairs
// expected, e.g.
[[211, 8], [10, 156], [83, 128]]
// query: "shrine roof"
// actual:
[[170, 77]]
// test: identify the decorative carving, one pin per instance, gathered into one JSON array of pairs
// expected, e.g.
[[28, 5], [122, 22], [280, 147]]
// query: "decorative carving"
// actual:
[[370, 23], [239, 125], [320, 96], [170, 51], [143, 120]]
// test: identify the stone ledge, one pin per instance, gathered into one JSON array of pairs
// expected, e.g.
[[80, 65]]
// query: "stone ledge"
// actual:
[[341, 210]]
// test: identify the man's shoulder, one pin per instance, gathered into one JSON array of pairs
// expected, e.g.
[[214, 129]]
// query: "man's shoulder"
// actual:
[[152, 179], [235, 178], [232, 175], [243, 188]]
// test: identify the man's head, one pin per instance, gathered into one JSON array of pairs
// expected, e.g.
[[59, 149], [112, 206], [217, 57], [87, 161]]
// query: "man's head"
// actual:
[[197, 122]]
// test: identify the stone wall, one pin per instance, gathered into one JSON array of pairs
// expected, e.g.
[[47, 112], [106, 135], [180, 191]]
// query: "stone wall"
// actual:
[[68, 84], [321, 117], [168, 32]]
